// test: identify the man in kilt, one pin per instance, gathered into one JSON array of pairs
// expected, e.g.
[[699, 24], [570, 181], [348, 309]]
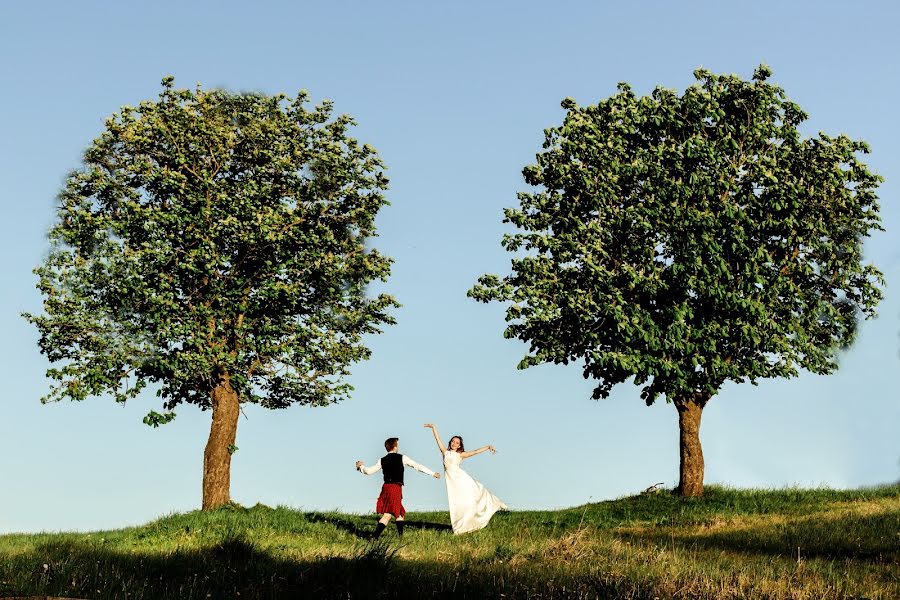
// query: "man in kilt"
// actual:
[[390, 501]]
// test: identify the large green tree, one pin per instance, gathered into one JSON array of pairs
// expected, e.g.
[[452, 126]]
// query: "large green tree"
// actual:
[[689, 240], [214, 247]]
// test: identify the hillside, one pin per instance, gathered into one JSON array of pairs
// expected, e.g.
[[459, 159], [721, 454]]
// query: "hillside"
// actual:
[[730, 544]]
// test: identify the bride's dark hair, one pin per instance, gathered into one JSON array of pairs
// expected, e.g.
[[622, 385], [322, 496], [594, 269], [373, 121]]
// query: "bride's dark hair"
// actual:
[[462, 447]]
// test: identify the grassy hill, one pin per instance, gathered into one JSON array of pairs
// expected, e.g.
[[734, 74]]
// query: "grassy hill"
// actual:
[[730, 544]]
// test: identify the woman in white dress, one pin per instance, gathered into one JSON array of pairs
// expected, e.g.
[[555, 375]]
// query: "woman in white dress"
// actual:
[[471, 504]]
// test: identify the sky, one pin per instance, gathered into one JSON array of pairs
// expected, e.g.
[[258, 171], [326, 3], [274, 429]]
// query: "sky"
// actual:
[[455, 97]]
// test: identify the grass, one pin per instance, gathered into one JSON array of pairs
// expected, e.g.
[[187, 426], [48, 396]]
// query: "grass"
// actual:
[[788, 543]]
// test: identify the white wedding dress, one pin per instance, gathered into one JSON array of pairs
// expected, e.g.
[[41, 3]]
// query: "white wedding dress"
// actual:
[[471, 504]]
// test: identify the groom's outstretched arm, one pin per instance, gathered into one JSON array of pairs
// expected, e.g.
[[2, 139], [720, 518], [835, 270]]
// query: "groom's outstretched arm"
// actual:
[[362, 468], [421, 469]]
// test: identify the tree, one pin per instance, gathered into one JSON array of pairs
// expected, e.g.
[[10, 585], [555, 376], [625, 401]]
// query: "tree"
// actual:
[[689, 240], [214, 245]]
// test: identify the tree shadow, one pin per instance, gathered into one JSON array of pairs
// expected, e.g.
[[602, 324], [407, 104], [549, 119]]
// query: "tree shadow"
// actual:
[[234, 568], [870, 538], [237, 568]]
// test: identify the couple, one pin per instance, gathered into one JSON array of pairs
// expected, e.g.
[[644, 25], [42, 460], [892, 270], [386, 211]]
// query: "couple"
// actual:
[[471, 504]]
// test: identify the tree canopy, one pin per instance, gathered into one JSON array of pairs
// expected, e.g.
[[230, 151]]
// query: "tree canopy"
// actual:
[[686, 240], [214, 240]]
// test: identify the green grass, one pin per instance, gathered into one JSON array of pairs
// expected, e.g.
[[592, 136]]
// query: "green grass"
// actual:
[[789, 543]]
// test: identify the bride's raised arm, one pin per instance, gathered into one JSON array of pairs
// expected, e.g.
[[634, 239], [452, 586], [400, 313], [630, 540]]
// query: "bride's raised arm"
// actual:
[[437, 438]]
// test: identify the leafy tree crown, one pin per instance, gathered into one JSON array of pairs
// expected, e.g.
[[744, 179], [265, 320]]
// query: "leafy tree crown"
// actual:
[[209, 235], [687, 240]]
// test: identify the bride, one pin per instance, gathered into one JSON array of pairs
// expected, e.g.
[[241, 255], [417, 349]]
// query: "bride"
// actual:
[[471, 504]]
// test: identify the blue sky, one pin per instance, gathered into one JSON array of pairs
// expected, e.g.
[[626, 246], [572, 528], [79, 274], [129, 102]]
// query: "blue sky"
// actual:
[[455, 97]]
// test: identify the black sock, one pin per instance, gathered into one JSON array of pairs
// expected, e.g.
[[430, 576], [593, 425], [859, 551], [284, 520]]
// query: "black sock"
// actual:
[[400, 525], [379, 528]]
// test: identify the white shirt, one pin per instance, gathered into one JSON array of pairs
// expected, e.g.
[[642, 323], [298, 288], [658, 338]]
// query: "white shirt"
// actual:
[[407, 461]]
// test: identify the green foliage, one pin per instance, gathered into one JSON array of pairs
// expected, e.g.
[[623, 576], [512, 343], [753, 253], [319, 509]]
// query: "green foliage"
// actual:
[[211, 234], [688, 240]]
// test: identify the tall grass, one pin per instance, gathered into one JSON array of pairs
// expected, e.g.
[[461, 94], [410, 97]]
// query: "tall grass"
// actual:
[[790, 543]]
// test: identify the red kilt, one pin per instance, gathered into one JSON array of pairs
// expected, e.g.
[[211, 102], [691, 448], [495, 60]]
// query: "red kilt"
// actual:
[[391, 500]]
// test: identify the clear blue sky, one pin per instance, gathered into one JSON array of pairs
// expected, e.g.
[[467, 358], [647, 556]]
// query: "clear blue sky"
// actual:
[[455, 97]]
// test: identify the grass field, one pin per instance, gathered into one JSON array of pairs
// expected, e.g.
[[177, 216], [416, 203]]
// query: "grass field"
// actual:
[[789, 543]]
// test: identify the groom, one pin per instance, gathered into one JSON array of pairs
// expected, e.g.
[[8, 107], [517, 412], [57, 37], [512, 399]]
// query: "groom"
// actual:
[[390, 501]]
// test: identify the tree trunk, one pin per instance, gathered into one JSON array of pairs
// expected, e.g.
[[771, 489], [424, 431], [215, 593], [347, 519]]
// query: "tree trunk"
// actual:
[[690, 480], [217, 457]]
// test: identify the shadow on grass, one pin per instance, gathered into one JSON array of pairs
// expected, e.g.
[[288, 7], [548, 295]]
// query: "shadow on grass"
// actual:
[[428, 526], [353, 527], [236, 568], [365, 530], [233, 568], [865, 537]]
